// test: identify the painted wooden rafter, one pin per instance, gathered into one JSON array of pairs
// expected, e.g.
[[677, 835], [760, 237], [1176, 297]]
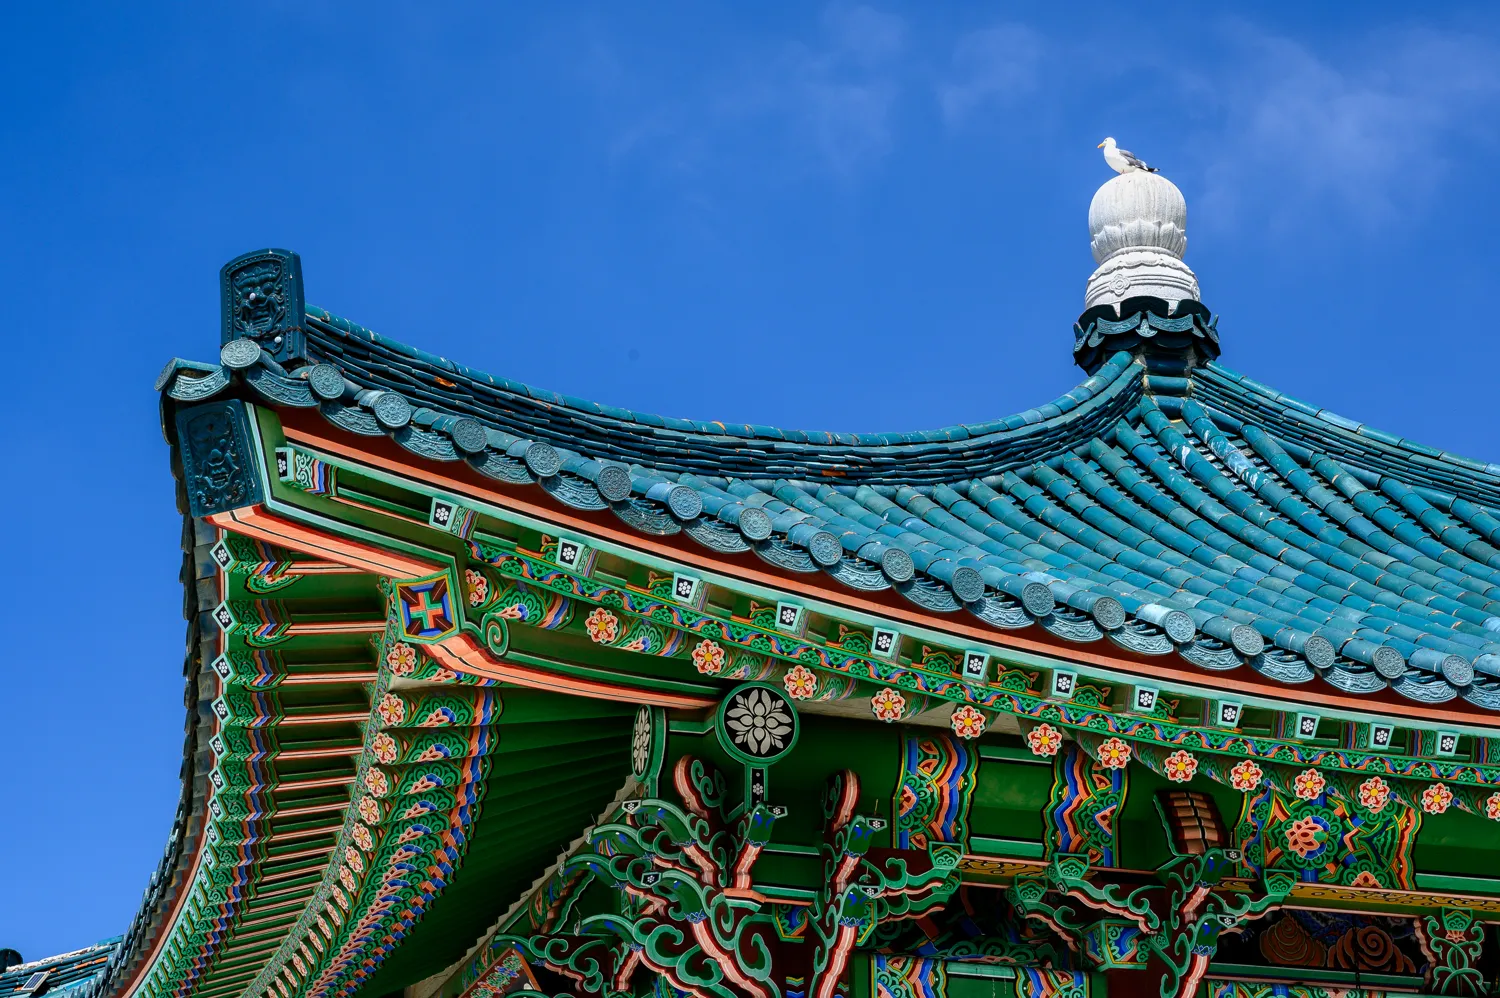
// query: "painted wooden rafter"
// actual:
[[462, 652]]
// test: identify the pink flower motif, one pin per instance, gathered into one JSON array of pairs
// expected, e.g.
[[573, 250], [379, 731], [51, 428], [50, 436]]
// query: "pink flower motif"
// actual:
[[369, 811], [603, 626], [800, 682], [1181, 766], [1044, 740], [402, 659], [967, 722], [392, 709], [1375, 793], [347, 879], [888, 705], [479, 587], [363, 838], [1308, 784], [1245, 775], [708, 657], [377, 782], [438, 717], [1306, 836], [1114, 753], [339, 896], [384, 747], [355, 861], [1436, 798], [1492, 806]]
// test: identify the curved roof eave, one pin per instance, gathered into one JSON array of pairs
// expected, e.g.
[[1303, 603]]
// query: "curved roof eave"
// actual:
[[1204, 515]]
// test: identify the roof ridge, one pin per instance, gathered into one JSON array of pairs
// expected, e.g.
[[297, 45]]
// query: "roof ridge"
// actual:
[[1114, 369], [1333, 423]]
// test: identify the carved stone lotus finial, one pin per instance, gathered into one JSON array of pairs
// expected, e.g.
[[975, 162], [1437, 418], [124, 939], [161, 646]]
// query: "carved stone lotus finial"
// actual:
[[1138, 229]]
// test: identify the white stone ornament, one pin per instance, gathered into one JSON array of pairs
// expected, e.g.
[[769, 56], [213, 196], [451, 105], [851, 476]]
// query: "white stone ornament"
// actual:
[[1138, 230], [757, 724], [640, 743]]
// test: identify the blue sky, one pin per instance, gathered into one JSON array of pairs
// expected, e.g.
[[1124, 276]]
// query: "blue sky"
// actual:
[[830, 217]]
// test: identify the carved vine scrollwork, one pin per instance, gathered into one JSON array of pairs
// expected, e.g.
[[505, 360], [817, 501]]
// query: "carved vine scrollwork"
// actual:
[[689, 911], [685, 913], [1196, 915], [1179, 917], [864, 887], [1454, 941]]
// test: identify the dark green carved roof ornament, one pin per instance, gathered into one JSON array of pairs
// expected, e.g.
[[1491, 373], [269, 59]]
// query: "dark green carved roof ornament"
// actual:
[[261, 299]]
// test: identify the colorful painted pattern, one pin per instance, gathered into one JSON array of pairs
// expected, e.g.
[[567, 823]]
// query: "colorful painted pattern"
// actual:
[[936, 789], [1086, 797], [1267, 989], [909, 977], [417, 791], [1035, 982], [906, 678], [1328, 839]]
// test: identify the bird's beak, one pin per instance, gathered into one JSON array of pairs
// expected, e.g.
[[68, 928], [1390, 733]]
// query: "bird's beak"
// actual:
[[1099, 146]]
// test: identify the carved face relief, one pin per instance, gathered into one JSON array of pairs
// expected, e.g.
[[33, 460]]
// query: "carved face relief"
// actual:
[[219, 468], [217, 478], [259, 300]]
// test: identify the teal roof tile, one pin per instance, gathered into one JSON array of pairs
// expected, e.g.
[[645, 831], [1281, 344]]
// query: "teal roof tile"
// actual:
[[1295, 541]]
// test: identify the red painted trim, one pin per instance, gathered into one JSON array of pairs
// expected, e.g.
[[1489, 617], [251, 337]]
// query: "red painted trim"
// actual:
[[304, 427], [461, 652]]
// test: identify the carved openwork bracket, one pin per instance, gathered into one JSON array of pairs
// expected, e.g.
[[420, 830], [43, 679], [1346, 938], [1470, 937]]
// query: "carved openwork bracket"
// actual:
[[863, 887], [1177, 919], [1454, 942], [688, 909]]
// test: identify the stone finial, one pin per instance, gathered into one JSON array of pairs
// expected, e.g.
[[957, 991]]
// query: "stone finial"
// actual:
[[1138, 224]]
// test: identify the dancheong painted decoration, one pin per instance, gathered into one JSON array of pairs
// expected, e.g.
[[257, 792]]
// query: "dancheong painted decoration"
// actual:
[[1172, 686]]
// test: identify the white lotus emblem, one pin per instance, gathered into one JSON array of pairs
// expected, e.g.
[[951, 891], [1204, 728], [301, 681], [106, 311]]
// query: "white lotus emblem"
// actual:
[[758, 722]]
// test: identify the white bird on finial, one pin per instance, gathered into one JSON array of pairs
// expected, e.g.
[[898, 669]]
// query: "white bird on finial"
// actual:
[[1122, 160]]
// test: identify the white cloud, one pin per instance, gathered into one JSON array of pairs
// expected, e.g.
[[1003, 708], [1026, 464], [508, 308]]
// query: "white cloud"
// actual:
[[991, 66], [864, 34], [1367, 128], [824, 103], [837, 96]]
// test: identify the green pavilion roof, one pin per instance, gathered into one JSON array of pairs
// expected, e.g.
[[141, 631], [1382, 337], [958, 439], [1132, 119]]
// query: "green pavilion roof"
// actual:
[[1166, 504], [445, 630], [74, 974]]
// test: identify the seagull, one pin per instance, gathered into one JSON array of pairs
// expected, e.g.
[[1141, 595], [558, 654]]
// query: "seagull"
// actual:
[[1122, 160]]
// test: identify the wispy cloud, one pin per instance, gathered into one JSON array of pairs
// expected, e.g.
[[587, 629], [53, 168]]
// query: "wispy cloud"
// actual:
[[992, 66], [1272, 126], [836, 95], [822, 103], [1365, 129]]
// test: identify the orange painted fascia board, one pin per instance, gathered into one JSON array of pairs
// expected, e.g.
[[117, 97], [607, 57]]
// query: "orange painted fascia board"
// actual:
[[304, 427], [460, 652]]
